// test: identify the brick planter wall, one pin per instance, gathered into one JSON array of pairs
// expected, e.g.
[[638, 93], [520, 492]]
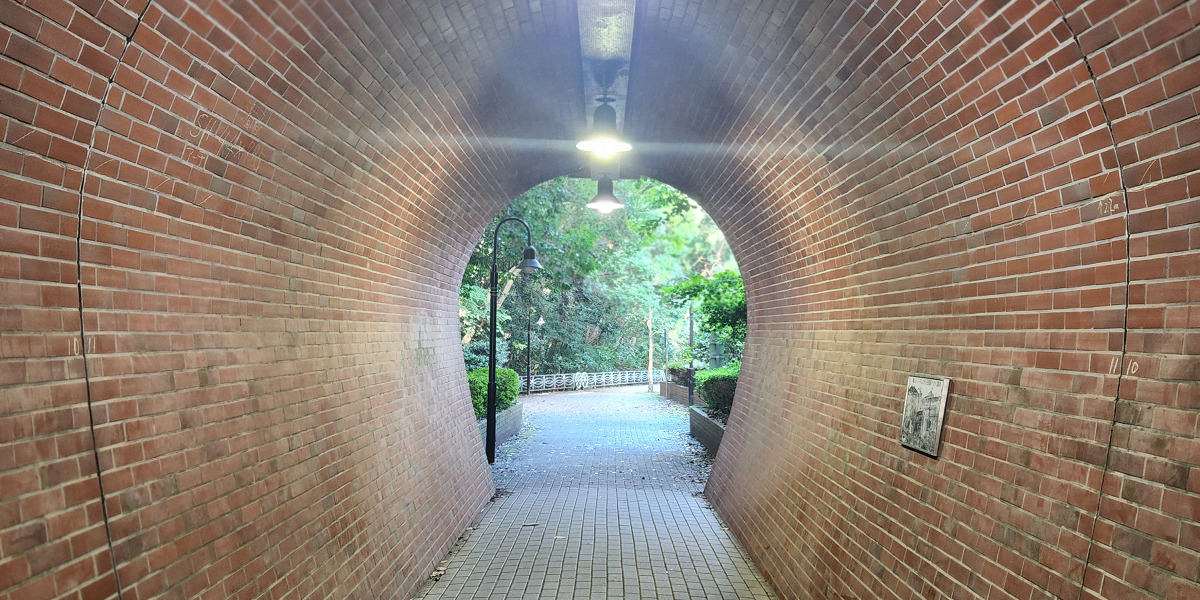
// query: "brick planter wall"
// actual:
[[706, 431], [231, 241], [508, 424], [674, 392]]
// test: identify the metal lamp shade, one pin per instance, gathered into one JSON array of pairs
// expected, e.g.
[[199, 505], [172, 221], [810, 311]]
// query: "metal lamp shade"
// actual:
[[529, 262], [604, 141], [605, 202]]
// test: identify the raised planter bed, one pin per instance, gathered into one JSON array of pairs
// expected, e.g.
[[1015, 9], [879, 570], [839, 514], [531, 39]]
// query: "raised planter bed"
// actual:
[[508, 424], [673, 392], [707, 431]]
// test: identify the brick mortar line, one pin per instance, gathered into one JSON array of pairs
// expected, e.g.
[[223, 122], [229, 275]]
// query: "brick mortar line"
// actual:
[[368, 198], [83, 352], [1087, 561], [313, 32], [950, 135], [826, 64]]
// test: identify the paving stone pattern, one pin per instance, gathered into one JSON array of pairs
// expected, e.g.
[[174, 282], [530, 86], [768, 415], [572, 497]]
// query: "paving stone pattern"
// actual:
[[599, 497]]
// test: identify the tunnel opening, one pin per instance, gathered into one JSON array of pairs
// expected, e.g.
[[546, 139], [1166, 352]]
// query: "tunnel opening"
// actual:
[[605, 276]]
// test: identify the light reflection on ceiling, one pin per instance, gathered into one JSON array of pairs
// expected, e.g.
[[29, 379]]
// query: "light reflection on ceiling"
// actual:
[[606, 41]]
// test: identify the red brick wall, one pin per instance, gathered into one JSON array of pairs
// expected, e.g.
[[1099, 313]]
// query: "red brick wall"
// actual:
[[270, 204], [917, 188], [277, 205]]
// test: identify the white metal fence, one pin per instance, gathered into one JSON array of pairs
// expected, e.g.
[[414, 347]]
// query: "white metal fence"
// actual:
[[580, 381]]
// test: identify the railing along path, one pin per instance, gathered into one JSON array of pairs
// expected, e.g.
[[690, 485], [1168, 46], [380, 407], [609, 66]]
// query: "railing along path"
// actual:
[[580, 381]]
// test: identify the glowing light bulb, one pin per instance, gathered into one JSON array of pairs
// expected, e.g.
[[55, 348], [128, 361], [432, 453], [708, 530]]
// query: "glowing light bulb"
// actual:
[[604, 147]]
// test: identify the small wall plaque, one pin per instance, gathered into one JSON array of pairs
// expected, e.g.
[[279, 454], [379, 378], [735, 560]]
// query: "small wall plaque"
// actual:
[[924, 407]]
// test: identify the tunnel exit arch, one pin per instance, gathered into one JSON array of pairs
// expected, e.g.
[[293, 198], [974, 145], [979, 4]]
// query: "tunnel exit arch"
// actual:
[[574, 243]]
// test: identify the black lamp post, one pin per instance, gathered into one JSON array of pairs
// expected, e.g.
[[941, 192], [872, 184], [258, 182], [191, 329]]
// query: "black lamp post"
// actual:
[[529, 350], [528, 264], [692, 357]]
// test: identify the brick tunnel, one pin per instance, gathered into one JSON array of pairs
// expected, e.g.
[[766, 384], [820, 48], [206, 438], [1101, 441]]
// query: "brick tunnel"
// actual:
[[232, 234]]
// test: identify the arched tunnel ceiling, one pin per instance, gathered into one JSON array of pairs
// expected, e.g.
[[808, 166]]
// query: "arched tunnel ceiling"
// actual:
[[232, 235]]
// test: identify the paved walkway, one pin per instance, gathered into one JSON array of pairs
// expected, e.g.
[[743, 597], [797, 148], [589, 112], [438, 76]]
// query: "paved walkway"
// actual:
[[599, 497]]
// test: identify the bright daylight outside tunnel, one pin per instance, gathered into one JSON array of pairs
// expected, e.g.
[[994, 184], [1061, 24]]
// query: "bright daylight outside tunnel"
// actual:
[[233, 236]]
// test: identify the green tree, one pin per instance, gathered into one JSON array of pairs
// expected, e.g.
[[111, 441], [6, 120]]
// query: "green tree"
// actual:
[[721, 305], [602, 276]]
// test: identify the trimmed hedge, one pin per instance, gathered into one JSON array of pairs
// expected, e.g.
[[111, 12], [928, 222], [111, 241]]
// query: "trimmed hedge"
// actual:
[[717, 386], [679, 373], [507, 387]]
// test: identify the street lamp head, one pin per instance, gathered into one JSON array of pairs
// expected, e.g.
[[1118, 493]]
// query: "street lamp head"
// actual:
[[529, 262]]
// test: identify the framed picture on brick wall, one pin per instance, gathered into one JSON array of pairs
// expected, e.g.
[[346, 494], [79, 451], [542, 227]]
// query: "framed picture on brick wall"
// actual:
[[924, 408]]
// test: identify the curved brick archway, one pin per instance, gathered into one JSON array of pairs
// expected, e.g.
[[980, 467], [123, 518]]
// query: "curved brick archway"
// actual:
[[269, 205]]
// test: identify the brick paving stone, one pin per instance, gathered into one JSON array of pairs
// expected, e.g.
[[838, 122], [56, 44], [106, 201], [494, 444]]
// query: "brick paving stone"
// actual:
[[599, 497]]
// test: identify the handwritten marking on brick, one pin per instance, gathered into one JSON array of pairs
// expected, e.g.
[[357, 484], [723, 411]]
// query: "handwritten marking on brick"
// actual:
[[207, 125], [1109, 206], [77, 347]]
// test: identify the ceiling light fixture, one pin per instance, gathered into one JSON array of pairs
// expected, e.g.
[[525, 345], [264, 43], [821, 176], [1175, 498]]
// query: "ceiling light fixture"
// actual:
[[604, 141], [605, 202]]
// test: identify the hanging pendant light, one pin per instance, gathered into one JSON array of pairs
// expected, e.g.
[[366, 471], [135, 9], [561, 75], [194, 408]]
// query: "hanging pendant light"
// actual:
[[604, 141], [605, 202]]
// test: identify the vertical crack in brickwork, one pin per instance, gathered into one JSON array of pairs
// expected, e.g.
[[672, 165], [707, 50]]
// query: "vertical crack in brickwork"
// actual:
[[83, 347], [1087, 559]]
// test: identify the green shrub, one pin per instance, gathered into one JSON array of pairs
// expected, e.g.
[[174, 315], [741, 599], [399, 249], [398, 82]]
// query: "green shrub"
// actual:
[[717, 386], [679, 373], [507, 387]]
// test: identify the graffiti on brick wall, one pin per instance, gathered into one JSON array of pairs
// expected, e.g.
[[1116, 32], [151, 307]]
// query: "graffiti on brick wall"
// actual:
[[238, 139]]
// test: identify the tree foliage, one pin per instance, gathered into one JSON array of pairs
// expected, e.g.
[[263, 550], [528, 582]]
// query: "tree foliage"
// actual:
[[602, 277], [721, 305]]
